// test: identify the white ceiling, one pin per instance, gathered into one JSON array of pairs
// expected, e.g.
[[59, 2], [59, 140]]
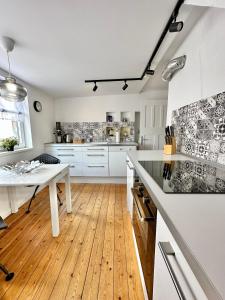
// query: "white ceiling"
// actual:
[[62, 43]]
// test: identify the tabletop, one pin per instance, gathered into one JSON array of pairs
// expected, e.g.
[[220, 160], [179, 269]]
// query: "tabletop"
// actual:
[[39, 176]]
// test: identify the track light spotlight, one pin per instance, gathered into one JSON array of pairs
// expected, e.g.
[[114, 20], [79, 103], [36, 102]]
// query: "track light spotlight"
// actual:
[[95, 87], [125, 85], [176, 26]]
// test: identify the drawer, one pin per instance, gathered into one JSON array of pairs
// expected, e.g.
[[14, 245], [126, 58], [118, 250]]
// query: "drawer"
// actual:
[[70, 157], [70, 149], [121, 148], [96, 170], [76, 169], [95, 157], [96, 149]]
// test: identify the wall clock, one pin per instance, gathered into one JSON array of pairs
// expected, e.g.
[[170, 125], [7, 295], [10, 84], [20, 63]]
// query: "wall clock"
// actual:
[[37, 106]]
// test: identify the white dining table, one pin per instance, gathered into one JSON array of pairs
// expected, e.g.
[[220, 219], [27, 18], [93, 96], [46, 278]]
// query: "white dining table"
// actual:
[[44, 175]]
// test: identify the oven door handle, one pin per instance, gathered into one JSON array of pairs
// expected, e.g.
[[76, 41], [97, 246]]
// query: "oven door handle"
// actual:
[[139, 212], [142, 219], [131, 168]]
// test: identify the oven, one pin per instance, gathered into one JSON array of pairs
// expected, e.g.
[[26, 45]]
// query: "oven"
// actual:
[[144, 225]]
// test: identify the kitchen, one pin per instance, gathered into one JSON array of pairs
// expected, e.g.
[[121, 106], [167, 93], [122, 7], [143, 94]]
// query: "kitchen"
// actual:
[[144, 218]]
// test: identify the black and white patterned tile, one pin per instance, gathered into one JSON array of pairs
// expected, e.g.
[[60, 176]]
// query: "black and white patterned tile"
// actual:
[[200, 128]]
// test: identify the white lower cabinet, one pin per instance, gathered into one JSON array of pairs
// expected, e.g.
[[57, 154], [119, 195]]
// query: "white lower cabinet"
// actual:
[[130, 183], [117, 160], [173, 278], [92, 160], [76, 169]]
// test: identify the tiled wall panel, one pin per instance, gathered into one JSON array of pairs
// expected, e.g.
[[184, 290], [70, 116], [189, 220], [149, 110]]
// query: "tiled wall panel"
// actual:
[[200, 128]]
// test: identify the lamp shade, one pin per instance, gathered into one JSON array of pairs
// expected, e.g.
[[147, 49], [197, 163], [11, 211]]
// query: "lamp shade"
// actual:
[[11, 90]]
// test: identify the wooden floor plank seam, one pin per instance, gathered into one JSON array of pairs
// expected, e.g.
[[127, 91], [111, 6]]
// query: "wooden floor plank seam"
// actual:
[[93, 258]]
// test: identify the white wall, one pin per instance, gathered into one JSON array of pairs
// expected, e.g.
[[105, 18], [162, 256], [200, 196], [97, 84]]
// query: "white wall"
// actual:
[[42, 126], [204, 72], [94, 108]]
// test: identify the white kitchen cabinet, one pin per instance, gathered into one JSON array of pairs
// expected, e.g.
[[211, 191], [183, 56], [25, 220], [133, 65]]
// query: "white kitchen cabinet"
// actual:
[[173, 278], [76, 169], [130, 183], [117, 160]]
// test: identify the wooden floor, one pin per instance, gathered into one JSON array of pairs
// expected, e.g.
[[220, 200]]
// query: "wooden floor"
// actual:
[[93, 258]]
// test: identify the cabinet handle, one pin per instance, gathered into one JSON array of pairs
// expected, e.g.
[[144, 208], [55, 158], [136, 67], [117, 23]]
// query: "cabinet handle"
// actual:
[[166, 250], [96, 149], [65, 154], [131, 168], [95, 154], [96, 166], [71, 149]]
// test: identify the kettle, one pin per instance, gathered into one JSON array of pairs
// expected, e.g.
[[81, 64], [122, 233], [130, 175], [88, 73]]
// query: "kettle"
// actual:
[[67, 138]]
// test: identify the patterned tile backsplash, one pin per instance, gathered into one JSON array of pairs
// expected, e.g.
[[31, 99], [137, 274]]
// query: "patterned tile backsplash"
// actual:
[[98, 130], [200, 128]]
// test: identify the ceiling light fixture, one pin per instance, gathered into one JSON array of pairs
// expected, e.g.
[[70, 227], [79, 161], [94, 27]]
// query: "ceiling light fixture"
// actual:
[[95, 87], [125, 85], [176, 26], [150, 72], [9, 89], [171, 26]]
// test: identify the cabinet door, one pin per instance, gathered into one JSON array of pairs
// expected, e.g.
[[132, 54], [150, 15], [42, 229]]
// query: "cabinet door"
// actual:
[[130, 183], [172, 273], [163, 284], [117, 164], [76, 169]]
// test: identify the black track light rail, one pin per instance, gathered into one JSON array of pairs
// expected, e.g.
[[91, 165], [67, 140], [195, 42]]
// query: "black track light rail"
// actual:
[[148, 70]]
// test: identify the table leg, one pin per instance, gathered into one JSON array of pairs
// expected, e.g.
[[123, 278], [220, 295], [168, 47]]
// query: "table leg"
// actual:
[[54, 208], [12, 199], [68, 193]]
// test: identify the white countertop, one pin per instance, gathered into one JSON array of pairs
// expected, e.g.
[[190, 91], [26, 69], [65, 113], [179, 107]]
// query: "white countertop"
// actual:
[[197, 222], [93, 144]]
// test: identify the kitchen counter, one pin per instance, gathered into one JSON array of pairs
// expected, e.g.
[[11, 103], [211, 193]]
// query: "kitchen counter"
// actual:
[[197, 222], [95, 144]]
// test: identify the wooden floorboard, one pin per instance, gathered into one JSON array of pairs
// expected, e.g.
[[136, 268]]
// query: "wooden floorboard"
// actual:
[[93, 257]]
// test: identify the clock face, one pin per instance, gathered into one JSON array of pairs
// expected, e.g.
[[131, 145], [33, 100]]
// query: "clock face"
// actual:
[[37, 106]]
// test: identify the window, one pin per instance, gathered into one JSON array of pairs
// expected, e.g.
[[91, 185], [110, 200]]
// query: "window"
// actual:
[[15, 122]]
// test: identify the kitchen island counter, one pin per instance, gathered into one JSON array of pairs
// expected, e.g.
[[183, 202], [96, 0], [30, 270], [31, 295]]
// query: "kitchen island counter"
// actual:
[[197, 222]]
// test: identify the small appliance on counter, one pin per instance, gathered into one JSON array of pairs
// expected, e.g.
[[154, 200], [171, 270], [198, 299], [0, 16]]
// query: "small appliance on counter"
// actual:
[[67, 138], [117, 135], [58, 133]]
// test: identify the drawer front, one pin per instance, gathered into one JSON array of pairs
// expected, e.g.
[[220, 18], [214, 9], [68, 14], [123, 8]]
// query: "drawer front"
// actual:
[[121, 148], [96, 149], [95, 157], [76, 169], [96, 170], [70, 157]]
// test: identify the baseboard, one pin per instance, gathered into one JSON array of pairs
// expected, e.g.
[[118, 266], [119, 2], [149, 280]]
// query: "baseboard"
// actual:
[[116, 180]]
